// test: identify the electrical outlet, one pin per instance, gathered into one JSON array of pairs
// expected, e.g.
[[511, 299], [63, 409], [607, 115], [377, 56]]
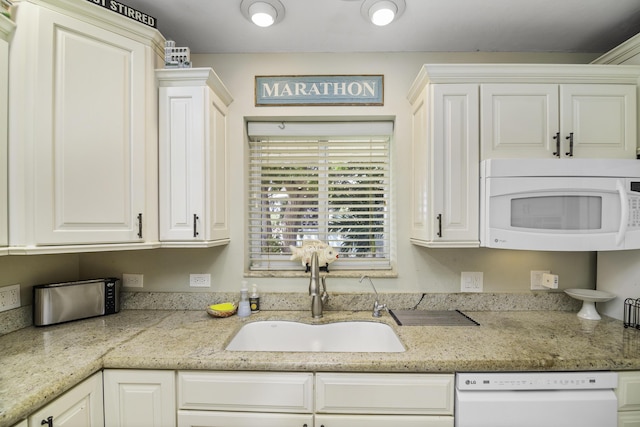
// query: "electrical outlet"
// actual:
[[550, 281], [200, 280], [133, 280], [9, 297], [536, 280], [471, 281]]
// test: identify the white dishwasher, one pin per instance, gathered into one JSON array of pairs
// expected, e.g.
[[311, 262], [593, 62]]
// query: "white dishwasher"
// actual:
[[536, 399]]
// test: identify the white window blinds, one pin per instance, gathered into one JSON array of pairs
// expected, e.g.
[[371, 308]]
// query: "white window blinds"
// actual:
[[324, 181]]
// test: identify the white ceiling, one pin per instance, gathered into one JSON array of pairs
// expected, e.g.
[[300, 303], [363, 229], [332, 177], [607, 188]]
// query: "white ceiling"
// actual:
[[218, 26]]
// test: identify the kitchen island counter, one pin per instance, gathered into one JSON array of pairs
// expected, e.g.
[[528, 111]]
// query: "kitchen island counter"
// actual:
[[38, 364]]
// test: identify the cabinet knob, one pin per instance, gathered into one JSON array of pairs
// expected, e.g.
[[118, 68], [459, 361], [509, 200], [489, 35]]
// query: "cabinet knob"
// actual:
[[47, 422]]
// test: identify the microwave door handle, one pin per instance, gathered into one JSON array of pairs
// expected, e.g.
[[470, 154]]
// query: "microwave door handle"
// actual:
[[624, 214]]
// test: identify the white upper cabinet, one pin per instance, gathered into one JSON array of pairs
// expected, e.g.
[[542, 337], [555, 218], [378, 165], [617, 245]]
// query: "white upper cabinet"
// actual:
[[6, 28], [465, 113], [194, 159], [550, 120], [445, 156], [82, 142]]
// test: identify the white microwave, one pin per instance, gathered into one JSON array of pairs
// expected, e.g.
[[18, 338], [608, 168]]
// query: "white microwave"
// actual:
[[560, 204]]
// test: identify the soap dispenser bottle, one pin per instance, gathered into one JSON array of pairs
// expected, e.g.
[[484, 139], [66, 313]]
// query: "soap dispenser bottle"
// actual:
[[254, 299], [244, 309]]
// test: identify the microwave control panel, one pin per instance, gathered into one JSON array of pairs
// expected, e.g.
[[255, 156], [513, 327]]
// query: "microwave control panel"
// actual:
[[634, 205]]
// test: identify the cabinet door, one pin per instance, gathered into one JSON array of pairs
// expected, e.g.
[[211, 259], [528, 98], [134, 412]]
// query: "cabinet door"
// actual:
[[421, 224], [628, 391], [240, 419], [6, 27], [629, 419], [193, 160], [79, 407], [519, 120], [182, 162], [385, 394], [601, 118], [80, 131], [445, 204], [135, 398], [455, 166], [246, 391], [382, 421]]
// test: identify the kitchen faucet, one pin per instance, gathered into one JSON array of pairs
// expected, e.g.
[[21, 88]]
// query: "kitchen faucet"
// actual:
[[377, 307], [318, 298]]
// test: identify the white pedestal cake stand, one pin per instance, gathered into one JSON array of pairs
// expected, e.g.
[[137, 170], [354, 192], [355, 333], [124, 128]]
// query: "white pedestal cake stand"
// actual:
[[589, 298]]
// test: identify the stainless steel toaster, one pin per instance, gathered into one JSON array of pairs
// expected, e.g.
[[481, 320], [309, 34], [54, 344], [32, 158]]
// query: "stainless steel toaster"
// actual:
[[63, 302]]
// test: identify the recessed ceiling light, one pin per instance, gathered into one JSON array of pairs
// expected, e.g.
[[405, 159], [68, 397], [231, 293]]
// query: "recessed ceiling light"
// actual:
[[382, 12], [263, 13]]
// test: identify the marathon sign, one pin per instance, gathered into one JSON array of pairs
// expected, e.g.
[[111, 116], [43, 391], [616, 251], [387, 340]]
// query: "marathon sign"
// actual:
[[124, 10], [319, 90]]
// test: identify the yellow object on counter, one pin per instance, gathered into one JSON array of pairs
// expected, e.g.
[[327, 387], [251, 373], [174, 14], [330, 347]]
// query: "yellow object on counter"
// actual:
[[224, 309], [225, 306]]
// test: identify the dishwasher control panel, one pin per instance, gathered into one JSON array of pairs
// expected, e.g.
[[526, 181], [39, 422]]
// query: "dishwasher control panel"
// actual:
[[536, 380]]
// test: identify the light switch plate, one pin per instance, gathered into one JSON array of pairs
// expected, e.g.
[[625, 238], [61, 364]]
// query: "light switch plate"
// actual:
[[132, 280], [471, 281], [200, 280], [9, 297]]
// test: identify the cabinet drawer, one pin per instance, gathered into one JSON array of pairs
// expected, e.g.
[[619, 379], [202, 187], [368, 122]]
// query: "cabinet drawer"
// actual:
[[242, 419], [383, 421], [385, 394], [628, 391], [246, 391]]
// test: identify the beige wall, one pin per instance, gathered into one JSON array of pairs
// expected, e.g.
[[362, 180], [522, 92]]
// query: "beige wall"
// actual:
[[423, 270]]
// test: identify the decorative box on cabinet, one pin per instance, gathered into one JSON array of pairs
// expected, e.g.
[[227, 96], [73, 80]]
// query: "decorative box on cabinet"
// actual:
[[445, 156], [80, 406], [139, 398], [6, 28], [194, 163], [628, 393], [245, 399], [83, 134]]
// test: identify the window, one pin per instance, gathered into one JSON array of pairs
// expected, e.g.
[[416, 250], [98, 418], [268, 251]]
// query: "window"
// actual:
[[322, 181]]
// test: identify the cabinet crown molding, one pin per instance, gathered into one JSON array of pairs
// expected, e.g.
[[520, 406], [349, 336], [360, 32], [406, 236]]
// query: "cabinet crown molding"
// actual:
[[523, 73], [104, 18], [6, 27], [621, 53], [182, 77]]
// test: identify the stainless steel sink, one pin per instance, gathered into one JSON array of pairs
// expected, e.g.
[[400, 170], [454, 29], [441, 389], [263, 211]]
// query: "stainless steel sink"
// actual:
[[352, 337]]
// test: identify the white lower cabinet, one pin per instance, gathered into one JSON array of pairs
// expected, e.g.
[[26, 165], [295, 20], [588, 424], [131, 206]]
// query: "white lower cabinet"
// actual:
[[240, 399], [628, 393], [363, 399], [81, 406], [242, 419], [382, 421], [136, 398]]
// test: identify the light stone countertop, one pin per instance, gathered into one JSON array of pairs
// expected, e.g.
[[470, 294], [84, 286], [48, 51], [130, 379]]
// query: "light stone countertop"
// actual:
[[38, 364]]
